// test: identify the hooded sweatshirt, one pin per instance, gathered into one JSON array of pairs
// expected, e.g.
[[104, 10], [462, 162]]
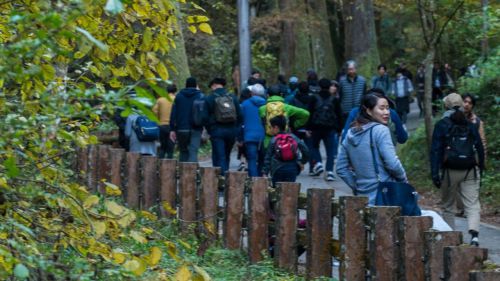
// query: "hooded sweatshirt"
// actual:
[[181, 116], [355, 165], [253, 130]]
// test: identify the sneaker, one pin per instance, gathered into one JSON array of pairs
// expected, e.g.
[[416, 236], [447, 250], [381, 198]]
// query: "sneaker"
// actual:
[[474, 242], [311, 173], [241, 167], [330, 176], [318, 169]]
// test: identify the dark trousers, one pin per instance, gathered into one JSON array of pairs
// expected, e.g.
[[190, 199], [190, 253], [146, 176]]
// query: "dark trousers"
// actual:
[[222, 144], [286, 173], [327, 138], [166, 144]]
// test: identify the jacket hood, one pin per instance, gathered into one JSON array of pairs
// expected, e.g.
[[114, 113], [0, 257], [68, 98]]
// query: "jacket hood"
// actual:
[[275, 98], [258, 101], [355, 135], [189, 92]]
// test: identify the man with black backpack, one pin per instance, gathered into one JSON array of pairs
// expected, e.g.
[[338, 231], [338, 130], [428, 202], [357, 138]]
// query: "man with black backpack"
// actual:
[[224, 121], [186, 121], [457, 152], [325, 118]]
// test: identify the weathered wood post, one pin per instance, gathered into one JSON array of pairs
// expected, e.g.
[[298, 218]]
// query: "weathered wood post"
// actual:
[[92, 171], [209, 199], [258, 240], [412, 241], [285, 249], [383, 242], [234, 195], [187, 193], [487, 275], [168, 186], [103, 168], [82, 166], [459, 260], [117, 159], [319, 232], [133, 179], [150, 181], [353, 242], [435, 241]]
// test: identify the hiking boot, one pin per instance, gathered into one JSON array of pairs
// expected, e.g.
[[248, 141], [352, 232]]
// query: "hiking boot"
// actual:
[[330, 176], [318, 169], [474, 242]]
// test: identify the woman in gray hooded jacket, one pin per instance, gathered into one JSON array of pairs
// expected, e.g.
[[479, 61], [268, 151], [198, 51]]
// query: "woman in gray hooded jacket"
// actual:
[[355, 164]]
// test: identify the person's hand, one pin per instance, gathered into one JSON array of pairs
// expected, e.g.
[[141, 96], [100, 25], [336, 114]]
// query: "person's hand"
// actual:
[[436, 181], [173, 136], [308, 134]]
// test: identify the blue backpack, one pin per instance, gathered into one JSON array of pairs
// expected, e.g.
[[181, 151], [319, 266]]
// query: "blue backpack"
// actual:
[[145, 129]]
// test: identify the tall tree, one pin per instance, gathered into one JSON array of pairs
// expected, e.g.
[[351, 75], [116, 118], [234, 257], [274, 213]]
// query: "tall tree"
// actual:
[[484, 41], [178, 55], [360, 36]]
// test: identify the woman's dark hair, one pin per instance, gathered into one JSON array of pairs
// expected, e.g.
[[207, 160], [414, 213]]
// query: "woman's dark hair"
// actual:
[[458, 117], [172, 89], [472, 98], [278, 121], [380, 66], [369, 101]]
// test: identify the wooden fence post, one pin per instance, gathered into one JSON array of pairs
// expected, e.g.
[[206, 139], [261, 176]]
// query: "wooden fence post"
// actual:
[[133, 179], [459, 260], [117, 159], [168, 186], [234, 195], [319, 232], [103, 168], [435, 241], [82, 167], [150, 181], [490, 275], [258, 239], [92, 180], [187, 194], [383, 239], [353, 242], [285, 249], [412, 241], [209, 198]]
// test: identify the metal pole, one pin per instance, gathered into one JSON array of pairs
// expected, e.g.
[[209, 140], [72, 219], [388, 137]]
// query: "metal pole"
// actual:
[[244, 40]]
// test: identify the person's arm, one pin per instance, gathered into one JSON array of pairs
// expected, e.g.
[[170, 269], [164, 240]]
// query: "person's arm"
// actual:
[[155, 109], [399, 130], [483, 138], [437, 151], [303, 150], [478, 144], [128, 127], [387, 152], [301, 116], [344, 170], [268, 159], [410, 87], [338, 112]]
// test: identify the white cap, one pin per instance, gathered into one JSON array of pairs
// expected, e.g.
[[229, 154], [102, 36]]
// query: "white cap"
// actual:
[[257, 89]]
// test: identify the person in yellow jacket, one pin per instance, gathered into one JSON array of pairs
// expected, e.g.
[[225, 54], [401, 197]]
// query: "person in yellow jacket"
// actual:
[[162, 109]]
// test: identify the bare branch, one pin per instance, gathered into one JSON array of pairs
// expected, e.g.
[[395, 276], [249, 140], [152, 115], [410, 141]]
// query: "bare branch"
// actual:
[[450, 17], [423, 21]]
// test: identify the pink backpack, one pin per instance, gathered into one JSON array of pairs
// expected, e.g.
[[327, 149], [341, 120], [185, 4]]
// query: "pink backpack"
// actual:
[[285, 147]]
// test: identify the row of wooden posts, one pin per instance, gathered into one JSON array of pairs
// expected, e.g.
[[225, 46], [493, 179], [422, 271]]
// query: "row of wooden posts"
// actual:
[[375, 243]]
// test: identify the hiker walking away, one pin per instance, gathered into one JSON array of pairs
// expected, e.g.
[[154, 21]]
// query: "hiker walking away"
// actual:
[[163, 110], [283, 86], [253, 131], [354, 165], [352, 87], [447, 72], [402, 89], [455, 142], [420, 83], [223, 124], [275, 105], [382, 80], [139, 143], [312, 81], [334, 91], [324, 111], [293, 89], [407, 73], [184, 128], [398, 132], [286, 154]]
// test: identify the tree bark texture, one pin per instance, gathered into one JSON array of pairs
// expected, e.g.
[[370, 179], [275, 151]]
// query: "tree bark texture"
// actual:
[[428, 62], [178, 55]]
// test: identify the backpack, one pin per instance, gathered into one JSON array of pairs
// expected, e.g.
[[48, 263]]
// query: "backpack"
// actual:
[[285, 148], [273, 109], [324, 113], [225, 110], [199, 112], [145, 129], [459, 152]]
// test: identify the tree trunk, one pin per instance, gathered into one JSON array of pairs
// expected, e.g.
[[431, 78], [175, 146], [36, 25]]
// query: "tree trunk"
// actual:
[[178, 55], [336, 29], [360, 36], [484, 41], [428, 62]]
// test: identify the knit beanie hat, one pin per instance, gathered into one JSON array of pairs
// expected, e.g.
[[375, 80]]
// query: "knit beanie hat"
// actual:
[[453, 100], [191, 82], [325, 83]]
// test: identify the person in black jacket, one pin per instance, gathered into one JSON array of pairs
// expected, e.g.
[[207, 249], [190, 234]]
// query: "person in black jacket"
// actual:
[[455, 142], [224, 122]]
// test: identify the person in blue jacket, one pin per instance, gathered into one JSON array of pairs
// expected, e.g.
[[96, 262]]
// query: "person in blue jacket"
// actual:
[[399, 133], [253, 132]]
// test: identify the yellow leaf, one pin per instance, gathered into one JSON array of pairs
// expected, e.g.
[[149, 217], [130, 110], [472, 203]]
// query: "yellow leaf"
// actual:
[[99, 228], [118, 257], [205, 27], [190, 19], [168, 208], [147, 230], [126, 220], [192, 28], [149, 216], [210, 227], [112, 189], [184, 244], [172, 250], [200, 19], [137, 266], [90, 201], [161, 69], [154, 256], [4, 235], [138, 237], [204, 275], [3, 182], [114, 208], [147, 38], [183, 274], [115, 83]]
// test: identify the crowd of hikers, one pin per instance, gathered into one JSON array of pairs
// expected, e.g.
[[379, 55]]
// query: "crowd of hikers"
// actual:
[[278, 129]]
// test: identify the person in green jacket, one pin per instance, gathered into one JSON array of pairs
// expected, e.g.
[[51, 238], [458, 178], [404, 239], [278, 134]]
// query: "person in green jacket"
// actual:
[[275, 106]]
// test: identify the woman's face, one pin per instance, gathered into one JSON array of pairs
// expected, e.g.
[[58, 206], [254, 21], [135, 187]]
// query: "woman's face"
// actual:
[[333, 89], [380, 112]]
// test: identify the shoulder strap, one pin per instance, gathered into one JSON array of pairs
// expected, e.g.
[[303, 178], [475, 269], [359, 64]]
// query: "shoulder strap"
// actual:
[[372, 148]]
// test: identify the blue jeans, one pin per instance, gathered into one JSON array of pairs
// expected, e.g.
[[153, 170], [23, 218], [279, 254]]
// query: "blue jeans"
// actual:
[[255, 158], [326, 137], [286, 173], [222, 144], [189, 142], [335, 143]]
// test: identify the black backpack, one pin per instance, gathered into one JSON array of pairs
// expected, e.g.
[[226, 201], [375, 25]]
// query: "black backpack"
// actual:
[[225, 110], [459, 151], [199, 112], [324, 113]]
